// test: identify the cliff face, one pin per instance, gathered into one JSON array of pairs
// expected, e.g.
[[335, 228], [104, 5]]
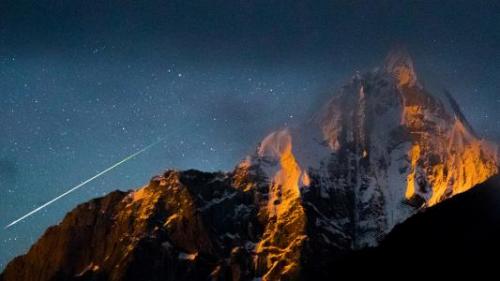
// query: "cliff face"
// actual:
[[380, 150]]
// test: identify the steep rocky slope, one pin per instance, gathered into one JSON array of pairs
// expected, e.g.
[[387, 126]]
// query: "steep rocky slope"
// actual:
[[182, 226]]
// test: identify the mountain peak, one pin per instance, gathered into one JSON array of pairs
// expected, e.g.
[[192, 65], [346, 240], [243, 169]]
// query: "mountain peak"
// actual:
[[400, 65]]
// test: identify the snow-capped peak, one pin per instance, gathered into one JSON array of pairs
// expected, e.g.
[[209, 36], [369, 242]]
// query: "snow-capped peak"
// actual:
[[380, 149]]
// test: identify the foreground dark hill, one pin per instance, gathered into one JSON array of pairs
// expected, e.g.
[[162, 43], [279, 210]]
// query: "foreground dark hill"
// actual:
[[461, 234], [466, 226]]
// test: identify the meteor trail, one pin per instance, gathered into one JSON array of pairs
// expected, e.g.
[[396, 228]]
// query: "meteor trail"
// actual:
[[84, 183]]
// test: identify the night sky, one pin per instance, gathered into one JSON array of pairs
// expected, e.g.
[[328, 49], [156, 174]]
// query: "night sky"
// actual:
[[85, 83]]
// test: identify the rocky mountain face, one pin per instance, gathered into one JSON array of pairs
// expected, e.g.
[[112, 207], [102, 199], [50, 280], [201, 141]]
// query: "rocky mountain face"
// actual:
[[380, 150]]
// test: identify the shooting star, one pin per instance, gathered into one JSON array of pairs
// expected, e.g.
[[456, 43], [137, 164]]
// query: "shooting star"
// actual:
[[84, 183]]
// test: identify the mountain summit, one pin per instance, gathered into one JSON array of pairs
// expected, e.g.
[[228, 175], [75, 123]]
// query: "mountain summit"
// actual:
[[399, 63], [381, 149]]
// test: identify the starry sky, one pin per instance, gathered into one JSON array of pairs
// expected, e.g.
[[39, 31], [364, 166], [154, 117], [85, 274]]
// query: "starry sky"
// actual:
[[83, 84]]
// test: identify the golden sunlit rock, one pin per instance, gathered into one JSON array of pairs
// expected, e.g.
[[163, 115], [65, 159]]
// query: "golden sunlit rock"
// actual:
[[278, 253], [444, 163]]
